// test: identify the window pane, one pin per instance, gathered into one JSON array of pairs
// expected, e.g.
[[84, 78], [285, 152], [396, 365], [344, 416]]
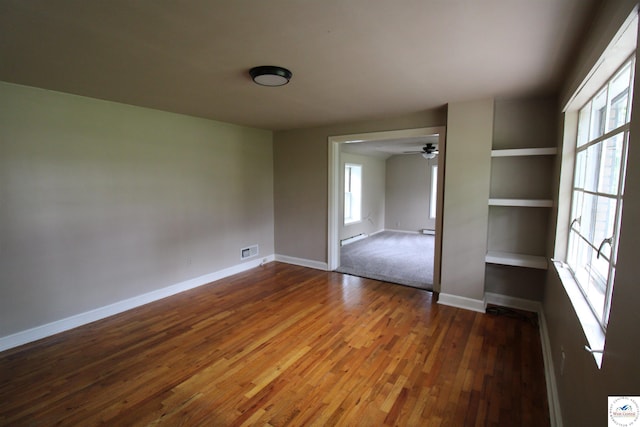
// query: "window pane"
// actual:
[[590, 273], [592, 167], [610, 164], [434, 191], [624, 166], [599, 270], [576, 209], [595, 287], [347, 178], [603, 220], [581, 169], [583, 125], [619, 95], [607, 308], [352, 193], [576, 251], [579, 261], [598, 113], [587, 217], [347, 206]]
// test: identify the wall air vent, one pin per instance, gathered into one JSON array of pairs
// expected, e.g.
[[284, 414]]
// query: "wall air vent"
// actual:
[[249, 252]]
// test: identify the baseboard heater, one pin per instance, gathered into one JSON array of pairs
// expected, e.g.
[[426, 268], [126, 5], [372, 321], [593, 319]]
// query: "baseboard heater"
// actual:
[[353, 239], [427, 231]]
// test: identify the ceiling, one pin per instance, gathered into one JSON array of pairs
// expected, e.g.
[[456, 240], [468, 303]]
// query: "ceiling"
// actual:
[[351, 59], [385, 148]]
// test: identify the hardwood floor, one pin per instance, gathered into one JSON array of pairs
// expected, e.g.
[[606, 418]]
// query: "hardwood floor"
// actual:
[[283, 345]]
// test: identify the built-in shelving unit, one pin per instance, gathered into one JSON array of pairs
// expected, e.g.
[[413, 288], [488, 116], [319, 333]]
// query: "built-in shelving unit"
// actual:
[[514, 258], [521, 201]]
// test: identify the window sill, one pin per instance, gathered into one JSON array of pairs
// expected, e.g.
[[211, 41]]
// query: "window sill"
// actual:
[[590, 325], [355, 221]]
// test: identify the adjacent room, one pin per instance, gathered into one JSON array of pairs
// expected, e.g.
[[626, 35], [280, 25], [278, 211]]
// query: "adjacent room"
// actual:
[[388, 213], [188, 189]]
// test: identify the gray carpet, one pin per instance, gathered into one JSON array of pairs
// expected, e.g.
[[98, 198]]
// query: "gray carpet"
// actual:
[[403, 258]]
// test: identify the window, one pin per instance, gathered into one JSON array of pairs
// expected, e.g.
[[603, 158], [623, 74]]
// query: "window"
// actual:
[[352, 193], [597, 193], [434, 191]]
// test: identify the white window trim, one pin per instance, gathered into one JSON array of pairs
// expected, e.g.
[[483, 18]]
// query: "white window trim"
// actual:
[[590, 324], [614, 56]]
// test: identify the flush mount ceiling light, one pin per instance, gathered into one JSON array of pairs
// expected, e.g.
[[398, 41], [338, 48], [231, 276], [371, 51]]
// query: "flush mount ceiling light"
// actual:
[[270, 75]]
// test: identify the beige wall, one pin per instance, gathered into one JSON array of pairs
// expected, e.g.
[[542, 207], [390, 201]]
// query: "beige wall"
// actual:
[[408, 188], [466, 194], [583, 388], [373, 195], [301, 180], [100, 202]]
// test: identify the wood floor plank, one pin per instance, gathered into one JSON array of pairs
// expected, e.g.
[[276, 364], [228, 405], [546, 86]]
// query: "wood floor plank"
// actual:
[[283, 345]]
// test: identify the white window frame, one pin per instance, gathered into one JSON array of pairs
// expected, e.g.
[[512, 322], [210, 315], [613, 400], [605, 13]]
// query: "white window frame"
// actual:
[[352, 193], [590, 281], [621, 48]]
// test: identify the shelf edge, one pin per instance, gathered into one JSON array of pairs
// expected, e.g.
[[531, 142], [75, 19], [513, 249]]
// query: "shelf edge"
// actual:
[[516, 260], [515, 152], [530, 203]]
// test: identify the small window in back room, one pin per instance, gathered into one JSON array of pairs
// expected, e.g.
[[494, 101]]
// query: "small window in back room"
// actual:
[[352, 193], [434, 191]]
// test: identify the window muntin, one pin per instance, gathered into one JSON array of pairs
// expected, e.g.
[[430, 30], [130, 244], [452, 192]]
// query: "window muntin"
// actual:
[[602, 139], [352, 193]]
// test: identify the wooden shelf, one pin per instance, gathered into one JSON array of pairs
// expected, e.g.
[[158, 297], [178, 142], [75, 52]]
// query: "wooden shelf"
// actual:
[[516, 152], [517, 260], [525, 203]]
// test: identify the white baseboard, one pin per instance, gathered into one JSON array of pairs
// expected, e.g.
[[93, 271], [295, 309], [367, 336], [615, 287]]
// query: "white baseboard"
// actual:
[[55, 327], [403, 231], [353, 239], [302, 262], [462, 302], [555, 413], [512, 302]]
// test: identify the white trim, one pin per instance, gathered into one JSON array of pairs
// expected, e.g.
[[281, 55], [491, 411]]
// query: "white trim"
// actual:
[[462, 302], [353, 239], [333, 249], [512, 302], [555, 414], [302, 262], [403, 231], [588, 321], [57, 326], [621, 46]]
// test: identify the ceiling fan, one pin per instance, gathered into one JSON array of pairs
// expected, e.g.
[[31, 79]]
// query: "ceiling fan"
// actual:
[[429, 151]]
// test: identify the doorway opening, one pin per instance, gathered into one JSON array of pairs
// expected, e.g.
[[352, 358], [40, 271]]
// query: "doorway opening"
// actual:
[[394, 147]]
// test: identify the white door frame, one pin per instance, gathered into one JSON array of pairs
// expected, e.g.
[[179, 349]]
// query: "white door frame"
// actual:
[[333, 243]]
